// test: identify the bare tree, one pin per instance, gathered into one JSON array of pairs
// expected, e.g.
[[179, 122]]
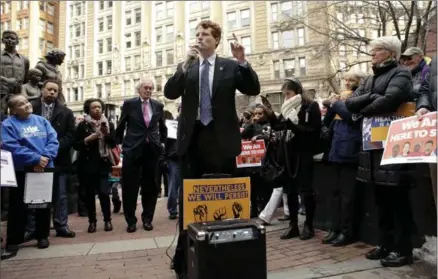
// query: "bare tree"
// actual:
[[349, 26]]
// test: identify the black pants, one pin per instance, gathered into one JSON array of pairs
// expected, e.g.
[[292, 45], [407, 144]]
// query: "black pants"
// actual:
[[17, 215], [395, 219], [82, 197], [308, 200], [342, 198], [140, 172], [96, 184], [163, 176], [203, 157]]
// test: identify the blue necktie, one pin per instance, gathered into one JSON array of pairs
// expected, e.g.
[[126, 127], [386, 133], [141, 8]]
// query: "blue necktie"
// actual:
[[205, 115]]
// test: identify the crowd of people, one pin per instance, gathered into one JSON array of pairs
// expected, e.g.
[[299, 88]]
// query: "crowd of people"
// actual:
[[41, 133]]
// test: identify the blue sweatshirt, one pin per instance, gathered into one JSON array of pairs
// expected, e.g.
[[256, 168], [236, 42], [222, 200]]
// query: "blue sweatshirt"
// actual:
[[28, 140]]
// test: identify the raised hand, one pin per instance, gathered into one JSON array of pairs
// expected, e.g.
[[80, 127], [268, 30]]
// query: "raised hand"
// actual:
[[192, 54], [237, 50], [220, 214], [237, 210]]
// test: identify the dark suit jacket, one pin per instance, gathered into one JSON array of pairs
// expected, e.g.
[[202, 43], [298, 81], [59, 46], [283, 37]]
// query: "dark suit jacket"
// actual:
[[136, 130], [228, 76], [63, 122]]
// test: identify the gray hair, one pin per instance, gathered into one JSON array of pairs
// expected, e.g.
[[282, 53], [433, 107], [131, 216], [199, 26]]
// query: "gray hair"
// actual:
[[137, 87], [355, 73], [390, 43]]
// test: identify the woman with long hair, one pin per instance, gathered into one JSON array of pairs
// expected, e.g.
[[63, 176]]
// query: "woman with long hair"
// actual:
[[300, 123], [94, 141]]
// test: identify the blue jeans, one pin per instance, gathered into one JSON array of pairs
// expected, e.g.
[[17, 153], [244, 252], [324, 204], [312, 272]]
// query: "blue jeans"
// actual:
[[59, 202], [174, 185]]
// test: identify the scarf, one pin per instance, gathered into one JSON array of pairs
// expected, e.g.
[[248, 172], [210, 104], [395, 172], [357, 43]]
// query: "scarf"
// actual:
[[96, 125], [289, 110]]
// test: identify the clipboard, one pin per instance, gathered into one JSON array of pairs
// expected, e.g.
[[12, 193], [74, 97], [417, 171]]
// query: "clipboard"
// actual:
[[38, 188], [8, 178]]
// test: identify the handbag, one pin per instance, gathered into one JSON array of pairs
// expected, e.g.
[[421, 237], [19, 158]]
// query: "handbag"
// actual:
[[271, 171]]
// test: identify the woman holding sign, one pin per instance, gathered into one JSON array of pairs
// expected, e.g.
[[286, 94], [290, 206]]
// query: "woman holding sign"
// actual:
[[382, 94]]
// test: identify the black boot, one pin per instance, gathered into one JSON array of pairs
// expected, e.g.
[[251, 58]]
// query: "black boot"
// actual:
[[291, 232], [92, 227], [342, 240], [117, 204], [395, 259], [108, 226], [308, 232], [377, 253], [332, 235]]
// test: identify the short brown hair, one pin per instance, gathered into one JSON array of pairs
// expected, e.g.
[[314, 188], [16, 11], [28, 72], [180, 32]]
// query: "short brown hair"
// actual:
[[216, 30]]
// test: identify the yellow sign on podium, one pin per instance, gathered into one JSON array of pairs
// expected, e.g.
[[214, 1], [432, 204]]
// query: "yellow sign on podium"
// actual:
[[216, 199]]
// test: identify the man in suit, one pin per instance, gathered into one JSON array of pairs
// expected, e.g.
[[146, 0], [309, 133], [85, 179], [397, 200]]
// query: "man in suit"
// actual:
[[208, 137], [63, 122], [146, 133]]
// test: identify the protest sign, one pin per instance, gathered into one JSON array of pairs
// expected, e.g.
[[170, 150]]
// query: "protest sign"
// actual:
[[8, 178], [172, 128], [367, 143], [216, 199], [252, 154], [411, 141]]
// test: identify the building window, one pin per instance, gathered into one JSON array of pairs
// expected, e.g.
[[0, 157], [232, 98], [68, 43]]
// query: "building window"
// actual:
[[159, 58], [137, 15], [158, 82], [170, 8], [192, 27], [169, 33], [342, 50], [205, 5], [169, 57], [246, 43], [19, 24], [25, 43], [128, 16], [102, 5], [78, 9], [194, 6], [109, 66], [109, 44], [159, 34], [50, 28], [51, 9], [302, 66], [43, 25], [77, 30], [77, 51], [274, 12], [98, 90], [100, 46], [108, 89], [100, 20], [137, 38], [127, 87], [25, 23], [288, 39], [245, 18], [110, 4], [340, 16], [289, 67], [286, 8], [276, 69], [82, 72], [109, 22], [75, 72], [232, 22], [128, 42], [300, 7], [159, 10], [127, 63], [41, 44], [275, 40], [137, 62], [99, 68], [300, 36]]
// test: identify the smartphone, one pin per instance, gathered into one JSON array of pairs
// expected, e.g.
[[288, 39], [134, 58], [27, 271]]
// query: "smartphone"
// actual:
[[265, 101]]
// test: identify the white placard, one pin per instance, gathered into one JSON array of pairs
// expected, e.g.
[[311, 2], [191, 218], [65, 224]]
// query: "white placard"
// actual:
[[38, 187], [8, 178], [172, 128]]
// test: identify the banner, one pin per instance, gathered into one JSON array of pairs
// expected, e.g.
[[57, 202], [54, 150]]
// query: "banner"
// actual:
[[216, 199], [252, 154], [412, 141], [367, 144], [172, 128], [380, 127]]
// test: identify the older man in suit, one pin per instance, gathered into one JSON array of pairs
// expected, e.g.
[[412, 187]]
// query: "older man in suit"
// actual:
[[146, 133], [208, 130]]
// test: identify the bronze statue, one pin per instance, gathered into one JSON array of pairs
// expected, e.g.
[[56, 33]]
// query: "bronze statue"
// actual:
[[13, 68], [32, 89], [49, 68]]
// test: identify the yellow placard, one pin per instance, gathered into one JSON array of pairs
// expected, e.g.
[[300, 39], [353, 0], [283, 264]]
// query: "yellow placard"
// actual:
[[405, 110], [216, 199]]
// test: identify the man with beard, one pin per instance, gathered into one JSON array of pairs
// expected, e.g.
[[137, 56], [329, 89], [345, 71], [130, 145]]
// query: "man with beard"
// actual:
[[62, 120], [13, 68], [49, 68]]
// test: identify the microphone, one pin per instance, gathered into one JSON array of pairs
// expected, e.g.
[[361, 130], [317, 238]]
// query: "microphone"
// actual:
[[189, 60]]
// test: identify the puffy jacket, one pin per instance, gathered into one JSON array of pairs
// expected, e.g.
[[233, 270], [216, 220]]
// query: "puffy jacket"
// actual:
[[420, 74], [428, 98], [392, 87]]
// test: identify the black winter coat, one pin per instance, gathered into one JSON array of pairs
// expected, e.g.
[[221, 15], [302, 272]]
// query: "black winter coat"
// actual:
[[428, 97], [392, 87]]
